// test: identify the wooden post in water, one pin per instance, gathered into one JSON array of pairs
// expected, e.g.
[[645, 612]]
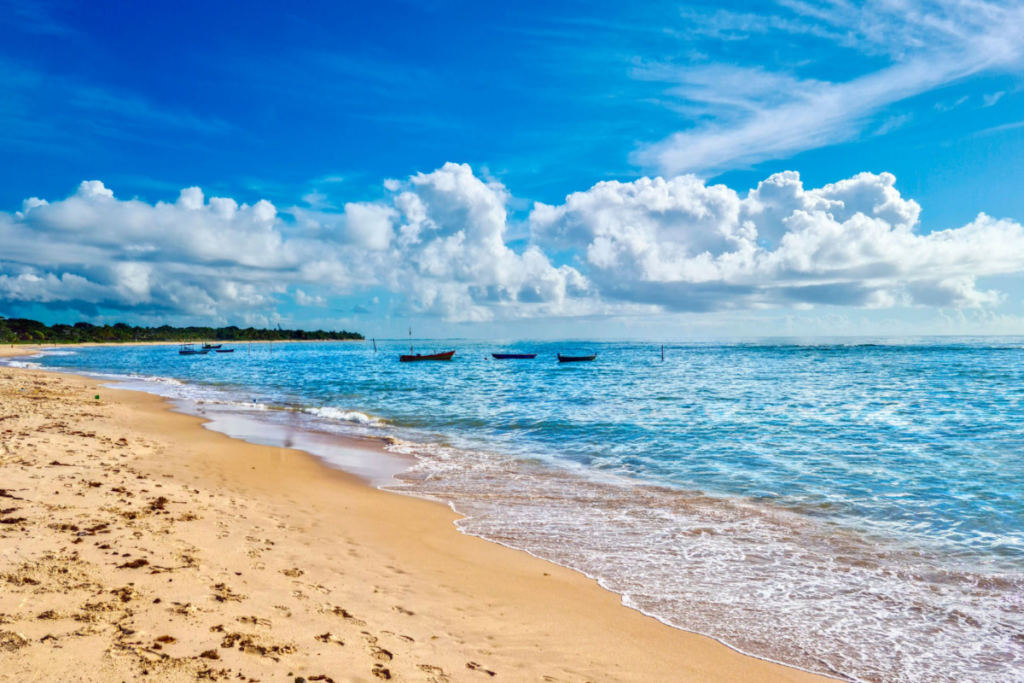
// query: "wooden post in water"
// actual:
[[662, 353], [375, 345]]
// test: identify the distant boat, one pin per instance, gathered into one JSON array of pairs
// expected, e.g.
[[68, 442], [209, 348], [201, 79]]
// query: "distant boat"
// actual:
[[409, 358], [191, 350], [513, 356], [208, 347], [413, 358], [575, 359], [225, 350]]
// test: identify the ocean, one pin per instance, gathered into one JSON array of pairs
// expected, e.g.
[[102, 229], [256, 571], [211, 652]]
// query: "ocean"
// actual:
[[853, 507]]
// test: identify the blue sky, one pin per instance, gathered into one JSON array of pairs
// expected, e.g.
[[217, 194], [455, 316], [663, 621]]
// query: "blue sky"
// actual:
[[313, 106]]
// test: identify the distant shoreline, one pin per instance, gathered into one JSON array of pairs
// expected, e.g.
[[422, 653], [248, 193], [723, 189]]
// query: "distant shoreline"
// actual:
[[63, 345]]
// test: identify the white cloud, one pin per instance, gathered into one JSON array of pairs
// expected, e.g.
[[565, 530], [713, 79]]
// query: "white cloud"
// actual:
[[438, 242], [686, 246], [303, 299], [317, 200], [743, 115], [991, 99], [457, 265]]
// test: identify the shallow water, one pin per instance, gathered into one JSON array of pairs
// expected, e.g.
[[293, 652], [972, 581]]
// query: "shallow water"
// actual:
[[854, 507]]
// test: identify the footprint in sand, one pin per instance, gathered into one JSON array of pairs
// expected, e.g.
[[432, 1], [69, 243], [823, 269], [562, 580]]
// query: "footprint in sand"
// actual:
[[343, 613], [381, 654], [223, 593], [473, 666], [437, 674], [330, 638]]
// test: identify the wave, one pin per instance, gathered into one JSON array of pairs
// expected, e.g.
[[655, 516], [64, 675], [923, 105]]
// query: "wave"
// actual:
[[764, 580], [29, 365], [342, 415]]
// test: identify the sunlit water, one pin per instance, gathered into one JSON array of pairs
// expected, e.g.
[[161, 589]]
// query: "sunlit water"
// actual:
[[846, 507]]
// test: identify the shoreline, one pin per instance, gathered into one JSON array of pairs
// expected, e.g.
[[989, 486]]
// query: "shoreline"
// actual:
[[36, 348], [618, 643]]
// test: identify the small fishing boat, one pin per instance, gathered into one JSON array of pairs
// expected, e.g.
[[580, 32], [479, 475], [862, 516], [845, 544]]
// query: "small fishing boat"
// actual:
[[575, 359], [410, 358], [225, 350], [513, 356], [414, 358], [210, 347], [191, 350]]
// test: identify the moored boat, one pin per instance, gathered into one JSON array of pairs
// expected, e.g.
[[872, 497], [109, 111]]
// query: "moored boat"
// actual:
[[513, 356], [575, 359], [410, 358], [190, 350], [212, 346], [225, 350]]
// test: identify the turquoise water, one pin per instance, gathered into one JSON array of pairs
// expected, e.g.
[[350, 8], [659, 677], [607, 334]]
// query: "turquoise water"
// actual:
[[848, 506]]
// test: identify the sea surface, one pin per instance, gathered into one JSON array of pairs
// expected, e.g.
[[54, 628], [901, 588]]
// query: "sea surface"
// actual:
[[848, 506]]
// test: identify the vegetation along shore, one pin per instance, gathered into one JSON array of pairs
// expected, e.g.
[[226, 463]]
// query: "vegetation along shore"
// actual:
[[23, 330]]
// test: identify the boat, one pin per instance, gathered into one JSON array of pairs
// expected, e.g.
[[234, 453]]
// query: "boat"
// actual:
[[224, 350], [410, 358], [191, 350], [513, 356], [209, 347], [413, 358], [575, 359]]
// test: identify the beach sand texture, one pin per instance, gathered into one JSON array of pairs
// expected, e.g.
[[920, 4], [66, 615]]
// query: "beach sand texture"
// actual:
[[137, 545]]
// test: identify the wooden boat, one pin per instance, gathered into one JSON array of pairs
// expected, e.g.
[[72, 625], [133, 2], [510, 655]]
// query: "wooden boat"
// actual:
[[575, 359], [225, 350], [190, 350], [513, 356], [409, 358], [212, 346]]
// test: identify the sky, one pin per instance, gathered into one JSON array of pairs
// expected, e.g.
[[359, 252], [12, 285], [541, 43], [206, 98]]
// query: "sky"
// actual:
[[650, 170]]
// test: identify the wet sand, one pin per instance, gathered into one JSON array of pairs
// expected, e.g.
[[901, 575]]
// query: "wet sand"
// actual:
[[138, 545]]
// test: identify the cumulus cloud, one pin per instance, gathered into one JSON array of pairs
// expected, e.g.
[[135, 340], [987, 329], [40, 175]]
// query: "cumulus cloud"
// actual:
[[438, 239], [303, 299], [450, 235], [438, 242], [684, 245]]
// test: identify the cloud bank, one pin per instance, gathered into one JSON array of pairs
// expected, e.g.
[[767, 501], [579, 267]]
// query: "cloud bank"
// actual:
[[439, 242], [683, 245]]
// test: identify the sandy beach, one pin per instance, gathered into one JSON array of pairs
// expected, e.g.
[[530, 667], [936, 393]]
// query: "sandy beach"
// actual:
[[138, 545]]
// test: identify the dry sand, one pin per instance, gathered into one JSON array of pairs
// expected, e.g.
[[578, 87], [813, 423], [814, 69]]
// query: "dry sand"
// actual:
[[139, 546]]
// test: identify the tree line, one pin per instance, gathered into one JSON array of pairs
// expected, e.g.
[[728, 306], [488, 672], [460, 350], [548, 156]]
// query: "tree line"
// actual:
[[22, 330]]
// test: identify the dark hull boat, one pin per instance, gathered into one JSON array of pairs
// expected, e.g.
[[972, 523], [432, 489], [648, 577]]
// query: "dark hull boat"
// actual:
[[189, 350], [513, 356], [225, 350], [447, 355], [575, 359], [212, 346]]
